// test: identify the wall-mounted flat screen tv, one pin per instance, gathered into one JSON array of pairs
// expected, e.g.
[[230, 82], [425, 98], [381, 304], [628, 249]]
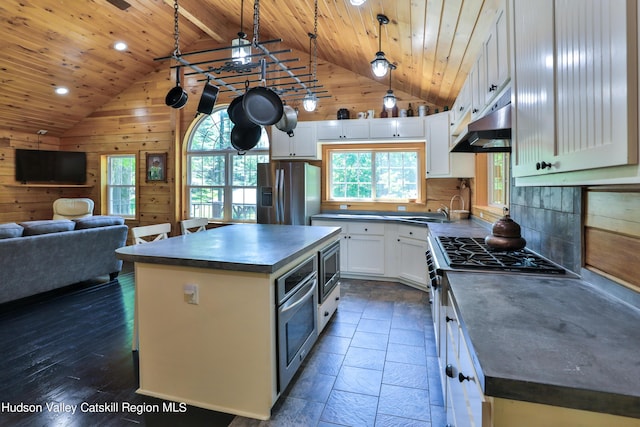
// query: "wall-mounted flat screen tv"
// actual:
[[61, 167]]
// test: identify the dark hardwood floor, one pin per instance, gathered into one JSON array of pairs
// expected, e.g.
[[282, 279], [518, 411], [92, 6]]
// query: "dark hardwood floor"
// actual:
[[74, 348], [374, 365]]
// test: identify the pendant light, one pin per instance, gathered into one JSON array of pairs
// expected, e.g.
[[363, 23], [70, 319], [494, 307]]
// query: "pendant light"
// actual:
[[389, 99], [358, 2], [310, 101], [241, 47], [380, 65]]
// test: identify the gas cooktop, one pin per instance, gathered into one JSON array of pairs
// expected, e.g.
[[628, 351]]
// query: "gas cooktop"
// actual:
[[473, 253]]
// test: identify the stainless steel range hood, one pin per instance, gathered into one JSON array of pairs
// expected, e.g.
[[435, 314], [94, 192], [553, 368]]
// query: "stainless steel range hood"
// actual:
[[488, 134]]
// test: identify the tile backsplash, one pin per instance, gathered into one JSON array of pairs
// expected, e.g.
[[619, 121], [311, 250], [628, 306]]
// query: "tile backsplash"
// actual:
[[549, 218]]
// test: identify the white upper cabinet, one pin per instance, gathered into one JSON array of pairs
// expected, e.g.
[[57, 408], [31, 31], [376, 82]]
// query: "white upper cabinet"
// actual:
[[575, 85], [302, 145], [532, 84], [496, 51], [397, 127], [335, 130], [478, 77], [440, 162]]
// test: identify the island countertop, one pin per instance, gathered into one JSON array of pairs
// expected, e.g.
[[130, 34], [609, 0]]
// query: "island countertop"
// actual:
[[257, 248]]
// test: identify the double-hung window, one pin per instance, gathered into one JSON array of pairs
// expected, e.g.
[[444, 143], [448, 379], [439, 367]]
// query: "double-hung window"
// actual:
[[498, 179], [121, 185], [222, 182], [375, 173]]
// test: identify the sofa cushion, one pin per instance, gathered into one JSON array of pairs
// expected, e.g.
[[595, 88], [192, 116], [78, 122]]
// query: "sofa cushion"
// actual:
[[97, 221], [10, 229], [32, 228]]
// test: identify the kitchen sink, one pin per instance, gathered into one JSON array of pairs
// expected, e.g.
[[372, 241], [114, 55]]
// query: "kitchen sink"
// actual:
[[420, 219]]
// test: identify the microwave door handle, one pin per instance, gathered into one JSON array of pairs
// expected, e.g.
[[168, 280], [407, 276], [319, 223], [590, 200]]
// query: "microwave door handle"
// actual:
[[295, 301]]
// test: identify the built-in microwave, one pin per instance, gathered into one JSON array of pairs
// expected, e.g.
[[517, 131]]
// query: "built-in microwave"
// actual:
[[328, 270]]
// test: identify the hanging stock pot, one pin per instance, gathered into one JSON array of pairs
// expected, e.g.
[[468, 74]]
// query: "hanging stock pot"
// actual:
[[288, 121]]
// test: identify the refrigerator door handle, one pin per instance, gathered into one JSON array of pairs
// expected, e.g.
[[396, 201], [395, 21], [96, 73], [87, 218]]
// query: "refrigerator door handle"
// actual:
[[276, 204], [281, 197]]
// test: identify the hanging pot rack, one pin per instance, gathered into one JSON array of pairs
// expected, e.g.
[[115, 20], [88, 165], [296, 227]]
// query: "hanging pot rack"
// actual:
[[220, 75]]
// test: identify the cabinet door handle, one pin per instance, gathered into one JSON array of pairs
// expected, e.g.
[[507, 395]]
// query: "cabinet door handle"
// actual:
[[449, 319], [462, 377], [366, 229], [448, 370], [543, 165], [492, 88]]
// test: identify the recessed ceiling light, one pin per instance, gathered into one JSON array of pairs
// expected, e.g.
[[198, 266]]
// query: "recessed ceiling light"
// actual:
[[62, 90], [357, 2], [120, 46]]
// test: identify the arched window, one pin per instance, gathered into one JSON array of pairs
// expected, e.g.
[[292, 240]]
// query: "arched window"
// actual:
[[221, 183]]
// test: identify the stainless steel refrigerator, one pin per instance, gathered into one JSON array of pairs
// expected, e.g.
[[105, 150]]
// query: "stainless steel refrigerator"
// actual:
[[288, 193]]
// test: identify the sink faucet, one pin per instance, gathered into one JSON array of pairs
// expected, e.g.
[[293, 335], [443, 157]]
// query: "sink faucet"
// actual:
[[444, 211]]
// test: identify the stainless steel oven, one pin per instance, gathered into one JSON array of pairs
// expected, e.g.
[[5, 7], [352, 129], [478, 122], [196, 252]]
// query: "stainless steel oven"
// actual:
[[328, 270], [297, 296]]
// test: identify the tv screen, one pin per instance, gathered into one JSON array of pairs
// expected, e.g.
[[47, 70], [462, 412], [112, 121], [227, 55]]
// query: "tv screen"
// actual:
[[63, 167]]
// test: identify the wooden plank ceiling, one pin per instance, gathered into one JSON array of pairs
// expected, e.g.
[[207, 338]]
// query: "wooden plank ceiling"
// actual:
[[51, 43]]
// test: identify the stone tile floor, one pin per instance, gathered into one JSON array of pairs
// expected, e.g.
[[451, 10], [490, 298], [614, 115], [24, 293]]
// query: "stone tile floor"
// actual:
[[375, 364]]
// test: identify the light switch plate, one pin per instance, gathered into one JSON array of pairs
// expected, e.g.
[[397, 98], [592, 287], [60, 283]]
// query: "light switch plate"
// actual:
[[191, 294]]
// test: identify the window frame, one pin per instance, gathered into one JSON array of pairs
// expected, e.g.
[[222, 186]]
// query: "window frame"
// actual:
[[418, 147], [228, 154], [491, 178], [106, 200]]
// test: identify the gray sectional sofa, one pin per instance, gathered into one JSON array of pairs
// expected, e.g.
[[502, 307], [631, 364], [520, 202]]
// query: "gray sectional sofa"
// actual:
[[38, 256]]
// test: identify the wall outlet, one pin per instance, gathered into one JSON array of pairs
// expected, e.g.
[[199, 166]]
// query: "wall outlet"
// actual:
[[191, 294], [402, 208], [343, 206]]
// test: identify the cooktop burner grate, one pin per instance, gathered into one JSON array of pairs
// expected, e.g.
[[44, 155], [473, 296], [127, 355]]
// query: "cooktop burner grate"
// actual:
[[473, 253]]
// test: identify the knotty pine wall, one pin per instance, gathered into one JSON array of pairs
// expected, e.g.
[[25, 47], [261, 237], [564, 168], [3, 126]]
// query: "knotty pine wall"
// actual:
[[612, 233], [139, 122]]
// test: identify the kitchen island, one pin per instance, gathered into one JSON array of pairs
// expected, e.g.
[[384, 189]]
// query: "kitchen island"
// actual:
[[206, 312]]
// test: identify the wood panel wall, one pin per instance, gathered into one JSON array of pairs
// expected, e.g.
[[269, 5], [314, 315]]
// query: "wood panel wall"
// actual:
[[138, 122], [612, 233]]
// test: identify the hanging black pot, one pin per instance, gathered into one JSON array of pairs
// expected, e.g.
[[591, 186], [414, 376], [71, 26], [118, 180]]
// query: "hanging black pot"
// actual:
[[245, 138], [237, 115], [208, 99], [262, 106], [177, 97]]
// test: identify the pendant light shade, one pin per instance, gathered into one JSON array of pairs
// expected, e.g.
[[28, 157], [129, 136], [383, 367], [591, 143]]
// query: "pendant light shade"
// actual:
[[358, 2], [241, 49], [310, 102], [389, 99], [380, 65]]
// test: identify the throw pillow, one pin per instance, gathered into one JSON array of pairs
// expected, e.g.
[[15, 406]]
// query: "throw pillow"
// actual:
[[9, 230], [97, 221], [33, 228]]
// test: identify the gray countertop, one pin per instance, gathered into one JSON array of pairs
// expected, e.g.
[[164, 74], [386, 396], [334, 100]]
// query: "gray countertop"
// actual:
[[553, 340], [556, 341], [259, 248]]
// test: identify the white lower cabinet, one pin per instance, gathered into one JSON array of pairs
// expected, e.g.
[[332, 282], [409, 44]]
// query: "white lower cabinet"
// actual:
[[412, 246], [361, 246], [463, 395], [384, 250]]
